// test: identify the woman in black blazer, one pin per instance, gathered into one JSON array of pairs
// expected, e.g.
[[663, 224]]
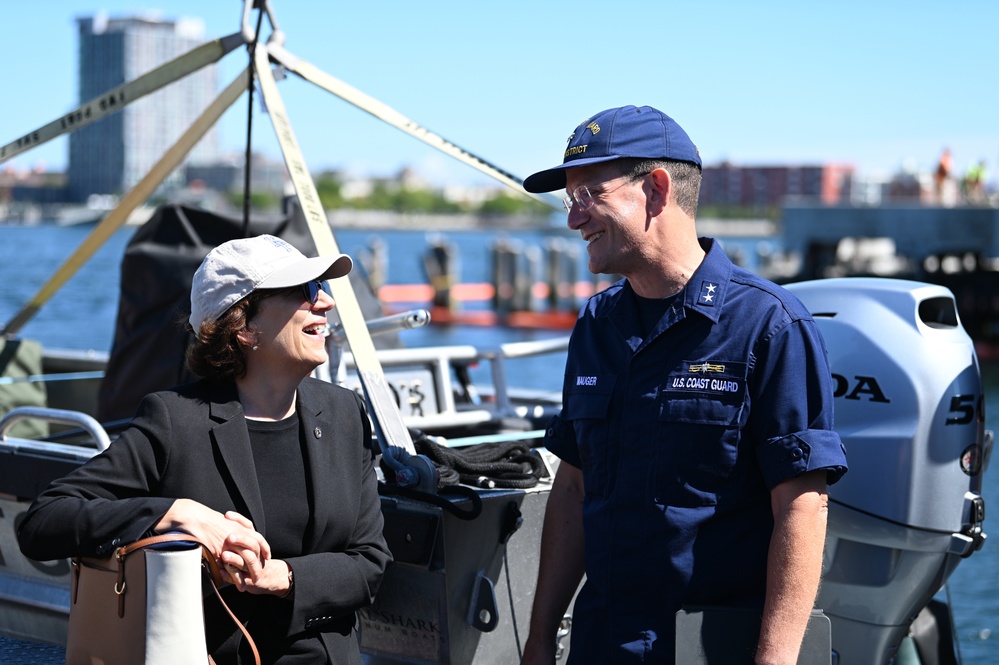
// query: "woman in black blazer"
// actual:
[[271, 469]]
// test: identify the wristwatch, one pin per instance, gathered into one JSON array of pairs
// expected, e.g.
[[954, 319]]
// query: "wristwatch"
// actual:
[[291, 582]]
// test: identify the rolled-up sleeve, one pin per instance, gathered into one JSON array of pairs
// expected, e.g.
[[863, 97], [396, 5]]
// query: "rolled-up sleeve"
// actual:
[[560, 439], [801, 452], [792, 414]]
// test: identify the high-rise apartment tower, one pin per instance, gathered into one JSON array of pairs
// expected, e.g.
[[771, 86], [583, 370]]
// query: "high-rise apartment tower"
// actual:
[[111, 155]]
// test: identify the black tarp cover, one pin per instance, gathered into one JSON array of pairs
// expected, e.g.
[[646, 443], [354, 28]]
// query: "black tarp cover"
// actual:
[[159, 263]]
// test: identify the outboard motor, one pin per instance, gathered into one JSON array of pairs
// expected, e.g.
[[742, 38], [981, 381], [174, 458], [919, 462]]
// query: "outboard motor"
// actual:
[[910, 409]]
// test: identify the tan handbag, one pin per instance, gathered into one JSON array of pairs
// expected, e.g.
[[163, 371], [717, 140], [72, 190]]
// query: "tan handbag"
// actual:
[[144, 604]]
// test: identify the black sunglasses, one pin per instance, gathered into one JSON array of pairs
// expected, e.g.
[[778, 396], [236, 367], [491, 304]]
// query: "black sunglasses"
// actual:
[[311, 290]]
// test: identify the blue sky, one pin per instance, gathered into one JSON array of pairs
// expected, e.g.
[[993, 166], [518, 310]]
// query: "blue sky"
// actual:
[[877, 84]]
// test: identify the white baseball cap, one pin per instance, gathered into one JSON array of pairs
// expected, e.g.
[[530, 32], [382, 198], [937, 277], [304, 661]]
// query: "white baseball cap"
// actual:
[[236, 268]]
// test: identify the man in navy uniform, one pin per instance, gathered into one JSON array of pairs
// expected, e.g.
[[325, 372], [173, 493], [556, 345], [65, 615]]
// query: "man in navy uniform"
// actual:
[[695, 437]]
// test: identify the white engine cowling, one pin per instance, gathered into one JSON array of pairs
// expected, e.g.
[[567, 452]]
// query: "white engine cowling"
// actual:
[[909, 406]]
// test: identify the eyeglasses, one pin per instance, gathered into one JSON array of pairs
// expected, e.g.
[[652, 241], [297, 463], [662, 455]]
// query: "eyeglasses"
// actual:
[[311, 290], [584, 199]]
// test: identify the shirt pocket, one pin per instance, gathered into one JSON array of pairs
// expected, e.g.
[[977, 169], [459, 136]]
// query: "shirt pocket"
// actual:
[[587, 410], [700, 419]]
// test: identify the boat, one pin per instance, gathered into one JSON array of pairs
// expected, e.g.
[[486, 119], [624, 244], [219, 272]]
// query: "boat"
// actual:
[[91, 214], [909, 404]]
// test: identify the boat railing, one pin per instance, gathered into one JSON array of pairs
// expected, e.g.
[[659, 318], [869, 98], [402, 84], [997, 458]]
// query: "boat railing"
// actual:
[[59, 416], [29, 465], [433, 388], [516, 350]]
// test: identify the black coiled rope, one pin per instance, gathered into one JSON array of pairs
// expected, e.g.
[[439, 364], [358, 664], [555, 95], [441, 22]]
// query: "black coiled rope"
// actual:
[[507, 464]]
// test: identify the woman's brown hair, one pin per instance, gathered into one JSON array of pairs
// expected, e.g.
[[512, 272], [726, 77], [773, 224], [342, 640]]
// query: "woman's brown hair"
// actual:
[[216, 352]]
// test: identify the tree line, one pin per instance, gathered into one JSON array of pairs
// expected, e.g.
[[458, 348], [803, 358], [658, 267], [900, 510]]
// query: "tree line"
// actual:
[[398, 198]]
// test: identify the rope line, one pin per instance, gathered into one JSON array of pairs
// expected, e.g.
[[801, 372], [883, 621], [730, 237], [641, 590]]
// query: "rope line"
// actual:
[[249, 132], [508, 464]]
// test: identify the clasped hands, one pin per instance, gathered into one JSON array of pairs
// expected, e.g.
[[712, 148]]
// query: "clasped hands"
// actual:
[[243, 554]]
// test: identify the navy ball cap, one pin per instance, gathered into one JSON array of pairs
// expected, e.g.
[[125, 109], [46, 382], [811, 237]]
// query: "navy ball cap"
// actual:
[[628, 131]]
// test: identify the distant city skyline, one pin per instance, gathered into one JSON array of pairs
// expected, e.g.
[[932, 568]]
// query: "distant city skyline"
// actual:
[[879, 85]]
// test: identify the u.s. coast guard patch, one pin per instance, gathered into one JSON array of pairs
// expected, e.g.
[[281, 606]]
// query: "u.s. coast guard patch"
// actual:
[[708, 377]]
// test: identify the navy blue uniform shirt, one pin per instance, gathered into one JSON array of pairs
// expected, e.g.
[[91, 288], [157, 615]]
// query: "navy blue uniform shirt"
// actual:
[[681, 434]]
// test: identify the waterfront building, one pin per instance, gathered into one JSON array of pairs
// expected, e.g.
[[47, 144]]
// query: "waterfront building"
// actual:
[[111, 155], [228, 175], [769, 186]]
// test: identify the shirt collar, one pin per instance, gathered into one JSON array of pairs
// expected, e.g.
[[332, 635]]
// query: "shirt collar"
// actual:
[[705, 291]]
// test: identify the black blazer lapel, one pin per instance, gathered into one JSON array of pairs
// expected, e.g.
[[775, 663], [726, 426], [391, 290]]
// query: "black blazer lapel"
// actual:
[[319, 453], [232, 442]]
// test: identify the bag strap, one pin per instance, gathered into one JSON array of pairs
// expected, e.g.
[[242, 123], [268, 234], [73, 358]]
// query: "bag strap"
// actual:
[[239, 624], [160, 539], [175, 537], [209, 565]]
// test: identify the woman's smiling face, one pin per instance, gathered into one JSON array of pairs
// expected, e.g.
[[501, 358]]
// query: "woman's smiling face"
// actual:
[[290, 332]]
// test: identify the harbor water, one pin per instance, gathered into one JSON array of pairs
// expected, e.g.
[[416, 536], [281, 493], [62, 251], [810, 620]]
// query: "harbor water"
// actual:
[[82, 316]]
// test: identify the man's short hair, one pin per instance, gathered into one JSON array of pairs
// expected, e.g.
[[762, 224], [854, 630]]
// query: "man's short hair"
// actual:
[[686, 178]]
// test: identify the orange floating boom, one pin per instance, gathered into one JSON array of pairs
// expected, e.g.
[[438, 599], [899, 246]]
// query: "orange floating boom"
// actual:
[[421, 293]]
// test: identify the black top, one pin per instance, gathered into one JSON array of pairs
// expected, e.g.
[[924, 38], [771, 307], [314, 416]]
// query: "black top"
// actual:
[[277, 454], [651, 310]]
